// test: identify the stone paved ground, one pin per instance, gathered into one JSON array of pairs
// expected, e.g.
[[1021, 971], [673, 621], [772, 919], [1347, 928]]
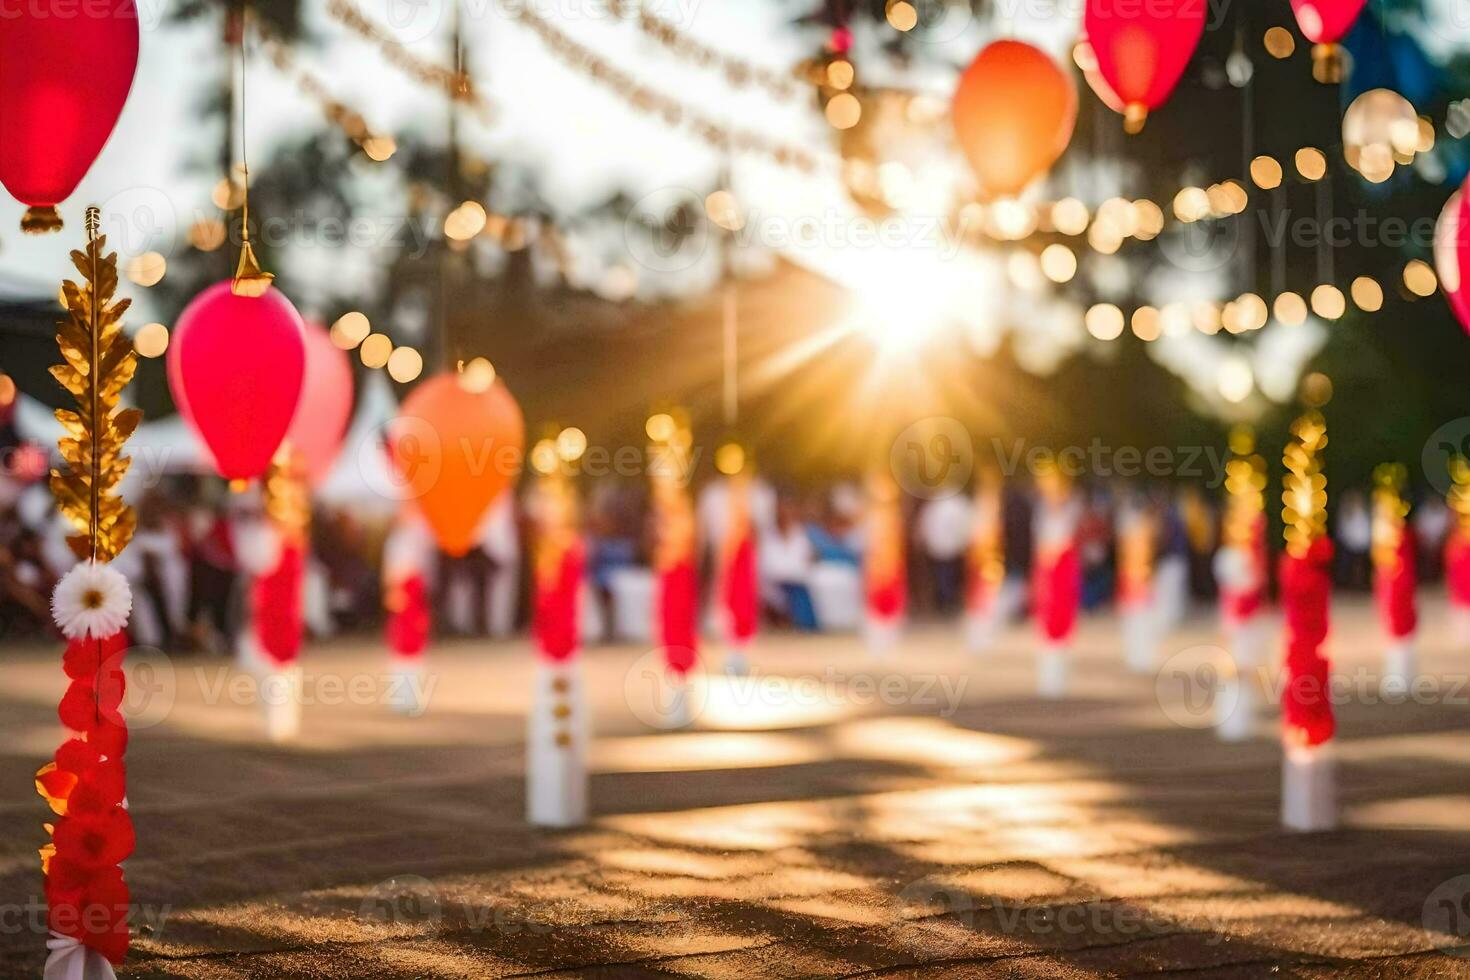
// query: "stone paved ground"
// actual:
[[801, 830]]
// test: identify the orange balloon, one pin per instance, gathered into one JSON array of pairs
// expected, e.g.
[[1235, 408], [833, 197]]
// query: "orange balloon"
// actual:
[[1014, 111], [456, 451]]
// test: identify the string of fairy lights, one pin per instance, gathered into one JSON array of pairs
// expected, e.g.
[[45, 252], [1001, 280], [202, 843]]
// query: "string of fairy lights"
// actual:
[[1102, 230], [454, 82]]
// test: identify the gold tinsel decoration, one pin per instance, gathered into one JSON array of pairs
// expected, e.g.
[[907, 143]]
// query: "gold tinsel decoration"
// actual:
[[1390, 511], [98, 363], [285, 495], [1459, 496], [1245, 489], [1304, 490]]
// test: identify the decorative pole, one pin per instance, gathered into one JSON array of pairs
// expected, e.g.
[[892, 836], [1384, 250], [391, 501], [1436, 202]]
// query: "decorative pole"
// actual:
[[1056, 583], [271, 548], [558, 728], [984, 605], [885, 566], [1137, 531], [1308, 788], [739, 585], [408, 558], [1240, 570], [1395, 577], [670, 459], [85, 784], [1457, 550]]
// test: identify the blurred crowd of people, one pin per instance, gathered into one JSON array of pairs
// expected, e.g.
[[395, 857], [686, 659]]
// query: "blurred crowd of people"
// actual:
[[188, 583]]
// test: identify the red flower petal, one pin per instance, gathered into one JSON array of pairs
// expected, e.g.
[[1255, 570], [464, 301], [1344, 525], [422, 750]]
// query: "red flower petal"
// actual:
[[98, 789], [110, 737], [78, 708], [95, 840], [76, 755]]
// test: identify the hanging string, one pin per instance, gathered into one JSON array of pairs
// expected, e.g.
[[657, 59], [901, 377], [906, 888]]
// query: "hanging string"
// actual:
[[1323, 221], [250, 279], [1248, 152], [731, 320]]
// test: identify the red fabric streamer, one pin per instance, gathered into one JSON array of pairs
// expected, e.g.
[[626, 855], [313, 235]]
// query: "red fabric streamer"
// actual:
[[1056, 589], [409, 618], [678, 586], [556, 619], [740, 591], [276, 605], [1393, 588], [86, 896], [888, 595], [1306, 588], [1457, 566]]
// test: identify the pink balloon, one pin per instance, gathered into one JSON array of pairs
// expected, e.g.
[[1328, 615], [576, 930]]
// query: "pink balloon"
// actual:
[[1143, 49], [1326, 21], [1452, 253], [320, 422], [235, 366]]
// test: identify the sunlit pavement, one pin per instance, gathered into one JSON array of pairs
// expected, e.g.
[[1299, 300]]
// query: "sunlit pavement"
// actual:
[[835, 815]]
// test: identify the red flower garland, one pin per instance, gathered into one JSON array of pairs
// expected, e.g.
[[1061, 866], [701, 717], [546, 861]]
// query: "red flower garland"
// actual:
[[276, 605], [1457, 566], [1056, 588], [1394, 582], [679, 615], [1306, 586], [555, 621], [86, 896], [409, 619], [741, 594]]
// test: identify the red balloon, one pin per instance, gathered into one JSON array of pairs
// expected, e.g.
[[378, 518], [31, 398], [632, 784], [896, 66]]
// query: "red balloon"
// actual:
[[1326, 21], [457, 449], [320, 422], [1452, 253], [235, 367], [65, 80], [1014, 110], [1142, 49]]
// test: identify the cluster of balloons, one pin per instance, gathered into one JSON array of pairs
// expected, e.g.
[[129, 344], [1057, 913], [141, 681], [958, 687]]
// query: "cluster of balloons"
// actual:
[[249, 375], [1014, 108]]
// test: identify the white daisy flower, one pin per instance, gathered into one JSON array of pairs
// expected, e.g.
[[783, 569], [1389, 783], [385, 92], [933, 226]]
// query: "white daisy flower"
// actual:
[[91, 600]]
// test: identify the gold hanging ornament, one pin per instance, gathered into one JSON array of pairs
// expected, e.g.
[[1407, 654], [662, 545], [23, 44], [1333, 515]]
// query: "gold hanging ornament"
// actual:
[[98, 363]]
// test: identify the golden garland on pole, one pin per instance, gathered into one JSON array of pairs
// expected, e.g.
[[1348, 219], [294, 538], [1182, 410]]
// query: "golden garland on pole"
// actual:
[[98, 363]]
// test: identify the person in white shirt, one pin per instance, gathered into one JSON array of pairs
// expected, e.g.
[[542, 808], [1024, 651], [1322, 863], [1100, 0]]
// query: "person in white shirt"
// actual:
[[944, 531]]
